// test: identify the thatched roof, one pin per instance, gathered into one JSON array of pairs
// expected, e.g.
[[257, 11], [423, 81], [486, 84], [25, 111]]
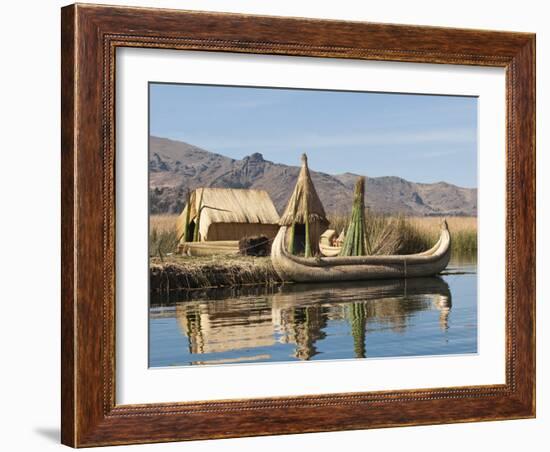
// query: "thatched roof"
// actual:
[[229, 205], [304, 193]]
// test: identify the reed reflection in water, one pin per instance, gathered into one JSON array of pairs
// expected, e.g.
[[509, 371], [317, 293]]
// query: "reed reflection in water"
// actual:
[[315, 321]]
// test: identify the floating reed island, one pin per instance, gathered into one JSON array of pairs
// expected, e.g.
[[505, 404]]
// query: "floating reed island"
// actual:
[[189, 273], [216, 241]]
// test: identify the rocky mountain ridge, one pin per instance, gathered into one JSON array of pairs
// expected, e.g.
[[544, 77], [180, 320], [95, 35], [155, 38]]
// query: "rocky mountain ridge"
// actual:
[[176, 166]]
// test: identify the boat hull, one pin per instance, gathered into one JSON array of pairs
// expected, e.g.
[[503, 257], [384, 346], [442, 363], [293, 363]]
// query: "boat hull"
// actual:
[[359, 268]]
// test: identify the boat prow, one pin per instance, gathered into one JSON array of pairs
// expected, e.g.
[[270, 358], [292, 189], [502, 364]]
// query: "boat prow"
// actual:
[[356, 268]]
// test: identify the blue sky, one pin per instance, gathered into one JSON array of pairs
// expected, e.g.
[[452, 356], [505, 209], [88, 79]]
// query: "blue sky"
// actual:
[[418, 137]]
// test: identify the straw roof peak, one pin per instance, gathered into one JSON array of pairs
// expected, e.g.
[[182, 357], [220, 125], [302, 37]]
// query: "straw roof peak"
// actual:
[[304, 199]]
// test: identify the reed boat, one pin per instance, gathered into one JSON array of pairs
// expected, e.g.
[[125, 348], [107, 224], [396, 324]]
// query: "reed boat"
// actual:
[[325, 246], [329, 250], [357, 268]]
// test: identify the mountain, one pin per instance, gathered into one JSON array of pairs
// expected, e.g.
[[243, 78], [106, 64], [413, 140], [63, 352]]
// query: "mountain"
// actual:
[[175, 166]]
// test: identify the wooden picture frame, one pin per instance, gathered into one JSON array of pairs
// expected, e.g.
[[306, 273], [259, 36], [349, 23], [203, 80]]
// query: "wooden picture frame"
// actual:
[[90, 36]]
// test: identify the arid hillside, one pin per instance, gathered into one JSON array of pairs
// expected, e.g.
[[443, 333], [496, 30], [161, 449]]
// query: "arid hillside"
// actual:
[[177, 166]]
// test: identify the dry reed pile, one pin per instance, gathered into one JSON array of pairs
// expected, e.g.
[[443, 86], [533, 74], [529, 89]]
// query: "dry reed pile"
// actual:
[[184, 272], [406, 235], [163, 239]]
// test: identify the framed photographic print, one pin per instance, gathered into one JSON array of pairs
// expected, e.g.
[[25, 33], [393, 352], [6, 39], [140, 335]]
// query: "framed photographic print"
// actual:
[[282, 225]]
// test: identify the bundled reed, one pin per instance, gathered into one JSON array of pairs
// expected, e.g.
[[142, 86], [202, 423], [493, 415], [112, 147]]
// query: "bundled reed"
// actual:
[[292, 234], [356, 242], [307, 249], [198, 219], [186, 232]]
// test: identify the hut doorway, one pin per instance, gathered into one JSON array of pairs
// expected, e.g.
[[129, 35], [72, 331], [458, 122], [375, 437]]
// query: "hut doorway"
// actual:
[[191, 230], [299, 238]]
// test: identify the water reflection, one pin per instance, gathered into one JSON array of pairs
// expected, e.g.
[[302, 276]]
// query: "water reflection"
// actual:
[[250, 325]]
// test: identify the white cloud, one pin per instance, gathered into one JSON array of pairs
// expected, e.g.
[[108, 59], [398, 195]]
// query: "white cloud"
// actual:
[[445, 137]]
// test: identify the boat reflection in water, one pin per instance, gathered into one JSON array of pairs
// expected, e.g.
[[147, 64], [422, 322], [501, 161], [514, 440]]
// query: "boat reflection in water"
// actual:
[[301, 321]]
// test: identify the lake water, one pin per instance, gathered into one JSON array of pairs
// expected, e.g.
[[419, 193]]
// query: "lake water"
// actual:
[[393, 318]]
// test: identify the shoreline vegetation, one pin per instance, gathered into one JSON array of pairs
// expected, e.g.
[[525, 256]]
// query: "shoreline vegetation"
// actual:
[[170, 271]]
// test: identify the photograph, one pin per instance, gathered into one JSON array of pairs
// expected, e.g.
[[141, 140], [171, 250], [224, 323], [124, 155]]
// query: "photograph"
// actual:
[[294, 225]]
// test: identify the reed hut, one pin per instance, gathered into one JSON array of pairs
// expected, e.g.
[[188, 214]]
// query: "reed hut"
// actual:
[[305, 215], [222, 214]]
